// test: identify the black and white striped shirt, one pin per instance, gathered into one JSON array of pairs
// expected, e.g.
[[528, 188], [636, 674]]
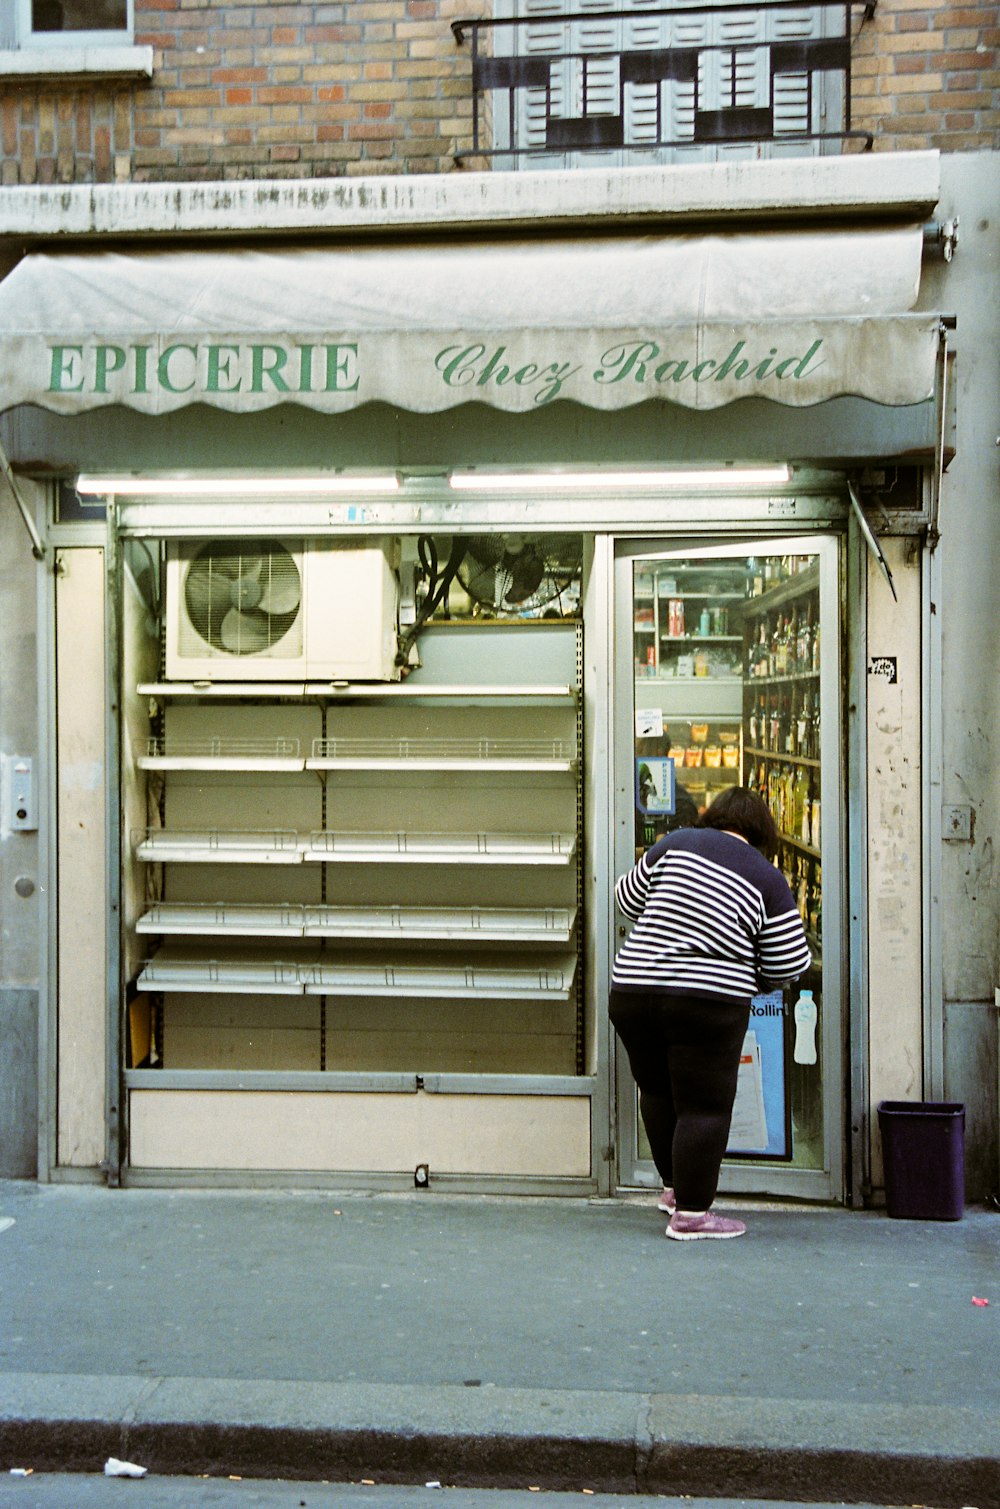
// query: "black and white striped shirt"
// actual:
[[712, 917]]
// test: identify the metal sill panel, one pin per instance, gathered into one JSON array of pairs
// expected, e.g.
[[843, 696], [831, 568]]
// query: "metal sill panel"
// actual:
[[341, 1082]]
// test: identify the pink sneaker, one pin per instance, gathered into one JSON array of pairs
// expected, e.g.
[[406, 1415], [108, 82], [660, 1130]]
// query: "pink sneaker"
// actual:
[[696, 1228], [667, 1200]]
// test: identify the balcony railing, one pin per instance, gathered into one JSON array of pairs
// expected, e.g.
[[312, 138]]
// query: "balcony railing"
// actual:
[[704, 77]]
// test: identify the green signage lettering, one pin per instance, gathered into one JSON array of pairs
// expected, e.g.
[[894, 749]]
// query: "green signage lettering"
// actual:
[[67, 362], [459, 366], [271, 369], [341, 362], [219, 373], [140, 383], [107, 359], [163, 376]]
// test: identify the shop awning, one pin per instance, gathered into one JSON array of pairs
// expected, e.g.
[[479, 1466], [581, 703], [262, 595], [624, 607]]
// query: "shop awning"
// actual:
[[796, 317]]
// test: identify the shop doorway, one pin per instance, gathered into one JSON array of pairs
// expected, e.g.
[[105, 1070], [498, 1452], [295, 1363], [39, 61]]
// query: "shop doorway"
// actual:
[[728, 670]]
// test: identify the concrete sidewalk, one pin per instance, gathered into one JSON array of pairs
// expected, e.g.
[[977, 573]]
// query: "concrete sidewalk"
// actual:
[[500, 1342]]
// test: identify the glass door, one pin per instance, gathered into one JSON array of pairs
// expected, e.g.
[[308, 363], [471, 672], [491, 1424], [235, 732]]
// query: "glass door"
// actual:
[[728, 672]]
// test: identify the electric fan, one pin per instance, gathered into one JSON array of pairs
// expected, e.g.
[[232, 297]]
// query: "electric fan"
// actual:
[[523, 574]]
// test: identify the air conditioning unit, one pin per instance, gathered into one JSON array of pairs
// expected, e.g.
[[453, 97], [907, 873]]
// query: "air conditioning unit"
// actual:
[[273, 610]]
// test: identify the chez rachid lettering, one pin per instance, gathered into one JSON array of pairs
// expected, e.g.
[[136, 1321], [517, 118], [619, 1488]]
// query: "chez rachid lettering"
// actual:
[[642, 362], [230, 367]]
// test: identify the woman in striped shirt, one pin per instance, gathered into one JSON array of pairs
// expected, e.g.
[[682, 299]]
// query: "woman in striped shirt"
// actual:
[[715, 923]]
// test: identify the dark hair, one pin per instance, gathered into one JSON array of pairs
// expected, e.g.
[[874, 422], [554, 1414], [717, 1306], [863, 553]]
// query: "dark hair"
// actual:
[[685, 813], [744, 812]]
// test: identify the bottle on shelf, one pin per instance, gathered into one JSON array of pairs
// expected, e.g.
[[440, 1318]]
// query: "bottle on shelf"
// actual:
[[815, 832], [758, 654], [758, 716], [774, 726], [803, 649], [815, 924], [801, 890], [790, 773], [801, 804], [789, 725], [803, 727], [782, 646]]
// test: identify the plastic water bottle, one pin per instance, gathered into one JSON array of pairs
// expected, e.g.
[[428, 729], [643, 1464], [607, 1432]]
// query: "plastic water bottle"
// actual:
[[806, 1015]]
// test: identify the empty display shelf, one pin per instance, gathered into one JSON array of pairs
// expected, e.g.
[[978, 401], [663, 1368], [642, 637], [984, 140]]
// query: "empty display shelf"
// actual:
[[221, 754], [439, 981], [442, 754], [221, 847], [209, 919], [553, 925], [283, 847], [273, 977], [444, 924], [441, 848], [493, 980], [350, 691]]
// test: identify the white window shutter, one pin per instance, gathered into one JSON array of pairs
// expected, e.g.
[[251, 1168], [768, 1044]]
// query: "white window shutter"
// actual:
[[588, 91]]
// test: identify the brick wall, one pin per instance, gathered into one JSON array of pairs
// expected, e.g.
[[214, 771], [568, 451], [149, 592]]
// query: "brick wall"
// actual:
[[255, 90], [928, 75], [312, 89]]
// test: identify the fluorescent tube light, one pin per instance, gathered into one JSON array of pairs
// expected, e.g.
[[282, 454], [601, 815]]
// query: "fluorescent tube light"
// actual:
[[237, 487], [729, 476]]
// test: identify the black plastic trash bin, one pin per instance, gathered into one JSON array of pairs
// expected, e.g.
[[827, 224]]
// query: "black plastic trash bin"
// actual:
[[923, 1147]]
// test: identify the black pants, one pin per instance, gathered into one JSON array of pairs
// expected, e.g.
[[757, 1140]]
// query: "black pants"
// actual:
[[685, 1057]]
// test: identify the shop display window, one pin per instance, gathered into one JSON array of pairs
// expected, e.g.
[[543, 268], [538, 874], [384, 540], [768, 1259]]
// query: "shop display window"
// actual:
[[341, 860]]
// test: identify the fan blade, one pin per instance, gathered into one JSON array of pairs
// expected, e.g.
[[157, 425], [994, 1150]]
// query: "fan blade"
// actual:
[[236, 564], [281, 593], [208, 593], [525, 574], [244, 633]]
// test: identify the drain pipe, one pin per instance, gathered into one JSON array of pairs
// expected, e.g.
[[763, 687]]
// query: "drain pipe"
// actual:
[[937, 481]]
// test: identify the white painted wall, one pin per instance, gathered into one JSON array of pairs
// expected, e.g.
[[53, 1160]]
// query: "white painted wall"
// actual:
[[895, 912], [970, 689], [82, 839], [22, 911]]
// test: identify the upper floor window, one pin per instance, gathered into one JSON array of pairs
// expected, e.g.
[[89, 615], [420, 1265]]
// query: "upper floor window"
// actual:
[[590, 83], [41, 39], [75, 22]]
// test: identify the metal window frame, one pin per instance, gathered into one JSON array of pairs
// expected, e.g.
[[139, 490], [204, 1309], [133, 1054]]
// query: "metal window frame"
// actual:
[[116, 36], [593, 135], [746, 1176]]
